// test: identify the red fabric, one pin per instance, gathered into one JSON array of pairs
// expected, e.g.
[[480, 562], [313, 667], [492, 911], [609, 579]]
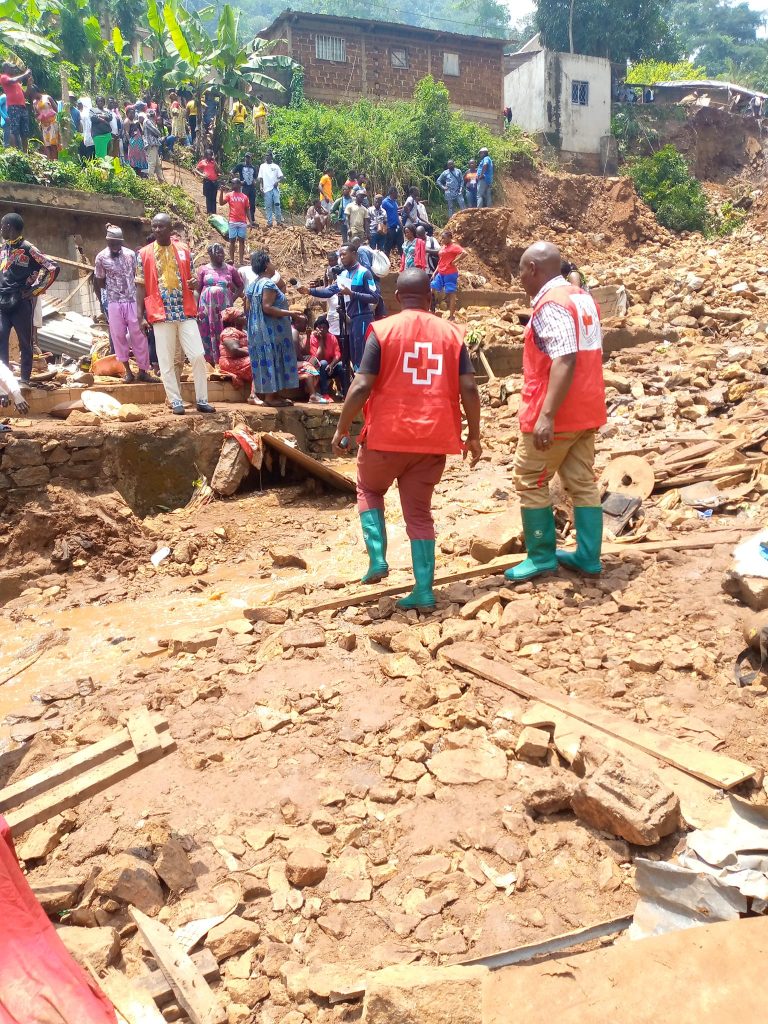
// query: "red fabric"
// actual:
[[14, 94], [414, 405], [446, 260], [239, 207], [419, 256], [209, 169], [40, 983], [331, 348], [153, 303], [584, 405]]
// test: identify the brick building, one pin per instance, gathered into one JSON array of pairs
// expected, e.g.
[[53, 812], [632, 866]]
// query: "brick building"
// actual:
[[346, 58]]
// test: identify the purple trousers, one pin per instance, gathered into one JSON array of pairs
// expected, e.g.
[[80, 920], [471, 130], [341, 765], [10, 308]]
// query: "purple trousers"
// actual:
[[126, 333]]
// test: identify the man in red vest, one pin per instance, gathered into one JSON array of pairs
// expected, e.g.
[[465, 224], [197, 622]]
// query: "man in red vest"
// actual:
[[563, 404], [165, 285], [415, 376]]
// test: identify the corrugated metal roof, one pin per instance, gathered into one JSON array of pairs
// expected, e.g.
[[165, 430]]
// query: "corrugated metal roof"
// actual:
[[705, 83]]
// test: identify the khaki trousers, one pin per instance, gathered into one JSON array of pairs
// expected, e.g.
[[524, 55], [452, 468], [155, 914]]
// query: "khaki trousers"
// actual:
[[571, 456]]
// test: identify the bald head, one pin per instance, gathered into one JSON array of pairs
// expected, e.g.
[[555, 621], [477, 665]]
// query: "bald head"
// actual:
[[412, 289], [539, 264]]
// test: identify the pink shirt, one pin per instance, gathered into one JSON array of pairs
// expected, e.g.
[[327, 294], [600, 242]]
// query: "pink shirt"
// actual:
[[331, 349]]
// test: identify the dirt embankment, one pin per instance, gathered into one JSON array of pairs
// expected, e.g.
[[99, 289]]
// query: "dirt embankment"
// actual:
[[585, 215]]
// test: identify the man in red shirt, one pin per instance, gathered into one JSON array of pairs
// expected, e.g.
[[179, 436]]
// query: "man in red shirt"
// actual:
[[18, 115], [445, 280], [239, 218], [208, 171], [415, 376], [563, 404]]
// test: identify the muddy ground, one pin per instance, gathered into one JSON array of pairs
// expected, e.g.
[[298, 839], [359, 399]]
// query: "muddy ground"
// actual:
[[369, 800]]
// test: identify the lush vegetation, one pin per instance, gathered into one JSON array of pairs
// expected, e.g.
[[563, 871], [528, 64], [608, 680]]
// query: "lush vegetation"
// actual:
[[647, 72], [619, 29], [665, 182], [108, 177], [400, 144]]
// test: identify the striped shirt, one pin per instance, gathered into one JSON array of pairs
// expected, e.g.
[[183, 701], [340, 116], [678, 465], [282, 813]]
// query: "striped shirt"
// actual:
[[553, 328]]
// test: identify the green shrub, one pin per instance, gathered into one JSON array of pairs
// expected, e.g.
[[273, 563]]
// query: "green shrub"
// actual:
[[108, 177], [667, 185], [404, 143]]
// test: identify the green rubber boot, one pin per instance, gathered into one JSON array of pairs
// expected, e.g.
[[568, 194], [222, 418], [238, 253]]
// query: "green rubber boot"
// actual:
[[423, 558], [375, 537], [588, 520], [540, 542]]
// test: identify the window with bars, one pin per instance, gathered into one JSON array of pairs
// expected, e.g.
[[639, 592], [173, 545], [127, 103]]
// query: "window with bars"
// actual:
[[580, 93], [398, 58], [331, 48], [450, 64]]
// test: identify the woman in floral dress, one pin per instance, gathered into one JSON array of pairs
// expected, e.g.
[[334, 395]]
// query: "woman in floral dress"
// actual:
[[136, 152], [219, 284], [270, 339]]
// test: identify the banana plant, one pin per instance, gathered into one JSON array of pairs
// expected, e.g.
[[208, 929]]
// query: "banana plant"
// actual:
[[22, 27]]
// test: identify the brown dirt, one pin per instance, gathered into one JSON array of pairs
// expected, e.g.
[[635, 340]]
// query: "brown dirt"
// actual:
[[584, 214]]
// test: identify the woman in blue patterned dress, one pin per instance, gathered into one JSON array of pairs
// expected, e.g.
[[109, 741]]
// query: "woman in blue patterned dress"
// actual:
[[270, 341]]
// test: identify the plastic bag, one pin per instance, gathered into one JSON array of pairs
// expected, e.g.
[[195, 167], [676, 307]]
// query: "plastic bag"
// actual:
[[220, 224]]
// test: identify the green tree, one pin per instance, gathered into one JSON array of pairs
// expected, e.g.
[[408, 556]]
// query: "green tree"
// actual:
[[675, 196], [25, 27], [648, 72], [720, 33], [621, 30]]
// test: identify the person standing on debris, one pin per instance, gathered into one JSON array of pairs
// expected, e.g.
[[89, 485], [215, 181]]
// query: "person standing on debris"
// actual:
[[339, 212], [16, 105], [563, 404], [46, 111], [390, 206], [208, 170], [451, 182], [219, 285], [415, 376], [445, 280], [270, 338], [115, 273], [357, 217], [166, 291], [325, 187], [239, 218], [260, 118], [470, 183], [270, 175], [246, 172], [25, 273], [484, 179], [415, 212]]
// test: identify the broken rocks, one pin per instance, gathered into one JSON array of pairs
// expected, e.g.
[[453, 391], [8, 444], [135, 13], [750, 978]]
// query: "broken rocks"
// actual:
[[130, 879], [233, 936], [471, 759], [429, 995], [91, 947], [305, 867]]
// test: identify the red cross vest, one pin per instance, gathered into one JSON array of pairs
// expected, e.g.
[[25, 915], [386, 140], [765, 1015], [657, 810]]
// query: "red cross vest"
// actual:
[[584, 405], [414, 404], [153, 304]]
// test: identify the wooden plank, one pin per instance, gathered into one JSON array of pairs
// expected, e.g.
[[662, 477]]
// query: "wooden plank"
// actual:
[[23, 667], [707, 539], [81, 787], [547, 948], [145, 738], [319, 469], [156, 984], [119, 742], [716, 769], [132, 1001], [71, 263], [192, 991]]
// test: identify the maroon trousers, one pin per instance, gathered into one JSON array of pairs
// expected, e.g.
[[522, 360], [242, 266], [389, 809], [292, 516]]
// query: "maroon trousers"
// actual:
[[416, 475]]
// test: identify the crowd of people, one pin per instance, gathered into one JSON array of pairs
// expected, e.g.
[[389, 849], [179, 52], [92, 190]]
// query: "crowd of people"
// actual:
[[139, 132]]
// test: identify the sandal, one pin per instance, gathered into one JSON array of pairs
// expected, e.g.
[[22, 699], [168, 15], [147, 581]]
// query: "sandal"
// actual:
[[127, 378]]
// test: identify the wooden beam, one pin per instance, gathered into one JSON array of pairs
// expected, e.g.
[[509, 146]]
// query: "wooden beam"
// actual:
[[707, 539], [192, 991], [132, 1001], [716, 769], [306, 462], [83, 786], [146, 740], [157, 986], [95, 754]]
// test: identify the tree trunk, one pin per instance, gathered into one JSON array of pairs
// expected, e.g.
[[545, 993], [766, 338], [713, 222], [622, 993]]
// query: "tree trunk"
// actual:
[[570, 27]]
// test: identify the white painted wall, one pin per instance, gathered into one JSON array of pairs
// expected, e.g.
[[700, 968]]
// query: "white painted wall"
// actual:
[[531, 91], [525, 91], [581, 128]]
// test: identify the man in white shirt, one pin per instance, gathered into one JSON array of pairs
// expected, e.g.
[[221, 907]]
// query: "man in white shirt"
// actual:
[[10, 389], [270, 175]]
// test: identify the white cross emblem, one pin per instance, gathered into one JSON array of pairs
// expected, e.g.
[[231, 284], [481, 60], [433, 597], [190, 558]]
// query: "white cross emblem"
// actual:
[[422, 364]]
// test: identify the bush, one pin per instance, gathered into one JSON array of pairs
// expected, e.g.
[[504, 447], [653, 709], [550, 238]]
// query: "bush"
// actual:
[[667, 185], [109, 177], [404, 143]]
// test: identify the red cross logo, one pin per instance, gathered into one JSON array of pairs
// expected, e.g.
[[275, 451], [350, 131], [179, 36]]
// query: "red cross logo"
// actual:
[[422, 364], [586, 319]]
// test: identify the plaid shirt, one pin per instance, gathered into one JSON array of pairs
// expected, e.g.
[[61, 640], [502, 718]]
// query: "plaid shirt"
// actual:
[[553, 329]]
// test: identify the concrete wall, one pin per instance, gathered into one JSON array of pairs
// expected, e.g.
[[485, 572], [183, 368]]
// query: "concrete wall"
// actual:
[[582, 128], [527, 92], [539, 93]]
